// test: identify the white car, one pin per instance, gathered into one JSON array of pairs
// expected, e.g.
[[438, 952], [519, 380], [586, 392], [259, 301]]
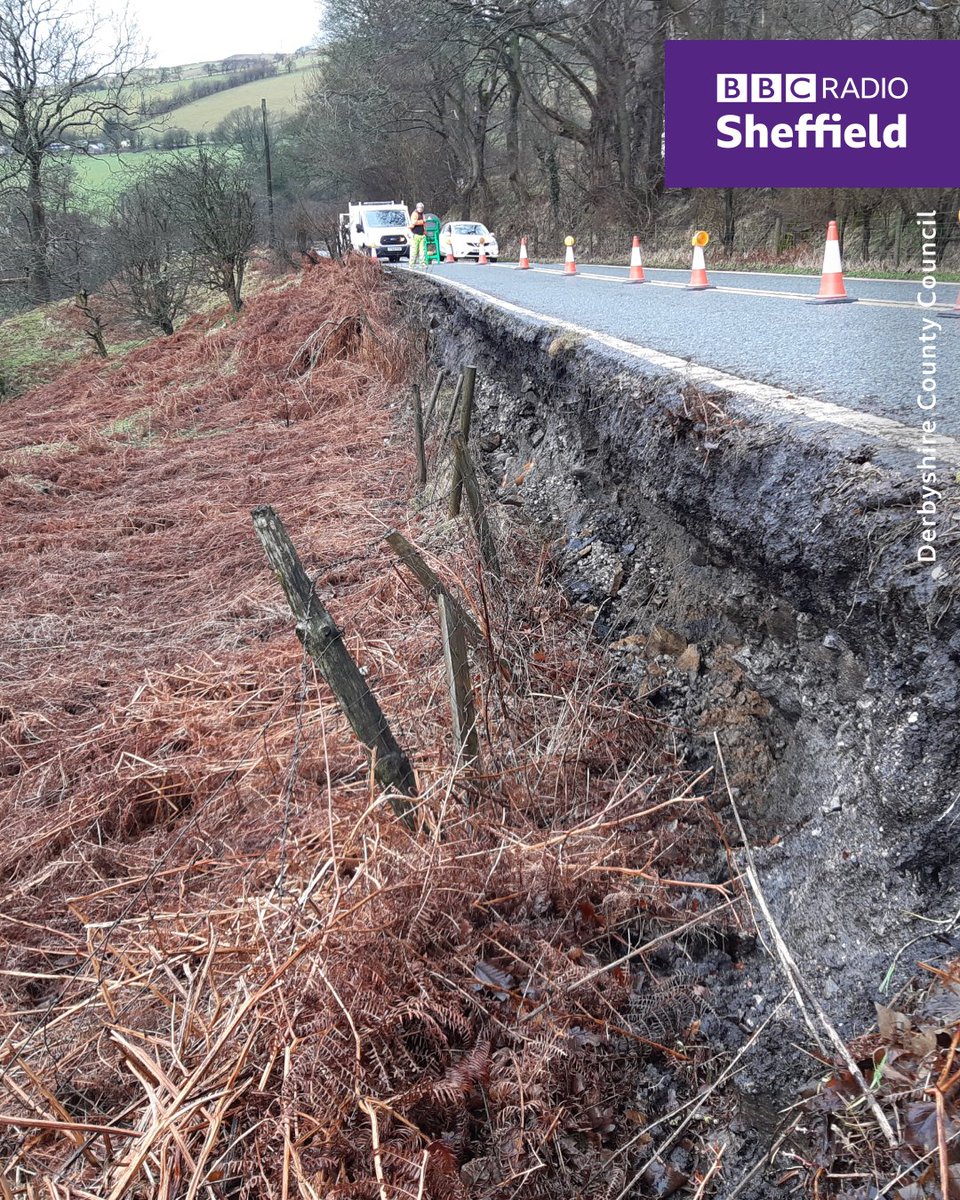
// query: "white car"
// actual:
[[462, 239]]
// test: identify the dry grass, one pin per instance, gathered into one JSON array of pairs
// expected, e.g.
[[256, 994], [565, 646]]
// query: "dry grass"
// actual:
[[838, 1145]]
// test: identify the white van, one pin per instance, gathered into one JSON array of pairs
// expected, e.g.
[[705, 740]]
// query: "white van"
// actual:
[[381, 225]]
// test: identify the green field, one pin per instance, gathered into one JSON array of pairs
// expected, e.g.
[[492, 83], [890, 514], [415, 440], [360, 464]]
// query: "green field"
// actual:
[[147, 87], [104, 176], [282, 93], [160, 91], [100, 178]]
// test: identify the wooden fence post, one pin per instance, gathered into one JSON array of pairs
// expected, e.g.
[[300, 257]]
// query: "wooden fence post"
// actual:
[[452, 411], [323, 641], [418, 436], [417, 566], [434, 397], [468, 476], [466, 414], [457, 663]]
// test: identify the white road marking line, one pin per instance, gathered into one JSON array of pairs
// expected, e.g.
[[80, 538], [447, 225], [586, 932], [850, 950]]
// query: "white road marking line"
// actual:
[[774, 274], [738, 291], [895, 434]]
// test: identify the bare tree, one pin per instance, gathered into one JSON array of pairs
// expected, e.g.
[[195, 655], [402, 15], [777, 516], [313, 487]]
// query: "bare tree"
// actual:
[[61, 74], [211, 195], [938, 19], [154, 264], [243, 127], [80, 262]]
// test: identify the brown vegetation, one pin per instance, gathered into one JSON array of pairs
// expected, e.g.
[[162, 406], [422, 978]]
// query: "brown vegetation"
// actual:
[[226, 968]]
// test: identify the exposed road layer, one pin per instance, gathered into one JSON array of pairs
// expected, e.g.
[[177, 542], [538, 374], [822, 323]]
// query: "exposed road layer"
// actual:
[[865, 356]]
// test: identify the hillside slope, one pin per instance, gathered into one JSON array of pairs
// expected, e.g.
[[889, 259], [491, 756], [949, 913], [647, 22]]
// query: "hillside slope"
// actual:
[[225, 967], [283, 93]]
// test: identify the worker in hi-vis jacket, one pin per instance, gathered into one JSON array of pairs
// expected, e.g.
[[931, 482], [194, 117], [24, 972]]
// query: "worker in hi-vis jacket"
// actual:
[[418, 230]]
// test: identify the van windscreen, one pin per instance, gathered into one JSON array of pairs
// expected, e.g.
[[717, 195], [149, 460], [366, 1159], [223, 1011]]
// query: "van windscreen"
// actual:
[[377, 218]]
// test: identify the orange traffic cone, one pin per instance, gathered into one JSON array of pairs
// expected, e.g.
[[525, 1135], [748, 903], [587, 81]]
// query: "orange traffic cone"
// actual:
[[955, 311], [524, 263], [636, 263], [832, 290], [374, 255], [569, 262], [698, 271], [482, 259], [450, 257]]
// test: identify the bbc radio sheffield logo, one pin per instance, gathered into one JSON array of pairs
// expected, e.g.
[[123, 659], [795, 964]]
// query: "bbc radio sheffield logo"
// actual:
[[810, 129], [811, 114]]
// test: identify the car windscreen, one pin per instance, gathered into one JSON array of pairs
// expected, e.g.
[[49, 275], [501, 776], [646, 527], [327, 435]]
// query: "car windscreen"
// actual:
[[465, 227], [378, 218]]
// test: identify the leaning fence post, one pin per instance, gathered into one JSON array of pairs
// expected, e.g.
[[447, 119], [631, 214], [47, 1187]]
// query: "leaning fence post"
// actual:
[[458, 680], [323, 641], [452, 411], [466, 413], [466, 471], [418, 436], [434, 397], [417, 566]]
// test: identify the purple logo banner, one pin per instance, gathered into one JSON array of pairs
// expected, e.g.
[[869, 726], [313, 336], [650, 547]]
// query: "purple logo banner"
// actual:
[[812, 114]]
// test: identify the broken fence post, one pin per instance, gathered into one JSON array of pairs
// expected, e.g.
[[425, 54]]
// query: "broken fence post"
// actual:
[[417, 566], [434, 397], [463, 462], [323, 641], [466, 414], [452, 411], [418, 436], [458, 680]]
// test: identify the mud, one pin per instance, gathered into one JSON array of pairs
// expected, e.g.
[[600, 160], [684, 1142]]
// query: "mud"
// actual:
[[755, 578]]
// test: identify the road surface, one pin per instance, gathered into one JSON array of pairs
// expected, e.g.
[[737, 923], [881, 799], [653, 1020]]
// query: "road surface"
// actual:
[[865, 355]]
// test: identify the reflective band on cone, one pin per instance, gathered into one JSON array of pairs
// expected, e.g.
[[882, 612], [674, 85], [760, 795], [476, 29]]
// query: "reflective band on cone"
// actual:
[[569, 263], [832, 290], [524, 263], [698, 272], [636, 263]]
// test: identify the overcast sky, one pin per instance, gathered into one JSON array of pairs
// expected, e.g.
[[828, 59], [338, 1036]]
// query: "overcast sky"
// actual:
[[186, 31]]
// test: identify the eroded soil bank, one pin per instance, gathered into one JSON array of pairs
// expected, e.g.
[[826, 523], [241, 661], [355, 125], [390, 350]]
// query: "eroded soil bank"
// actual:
[[756, 577]]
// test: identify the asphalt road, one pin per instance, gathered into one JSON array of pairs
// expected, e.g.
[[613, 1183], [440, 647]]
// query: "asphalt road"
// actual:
[[865, 355]]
